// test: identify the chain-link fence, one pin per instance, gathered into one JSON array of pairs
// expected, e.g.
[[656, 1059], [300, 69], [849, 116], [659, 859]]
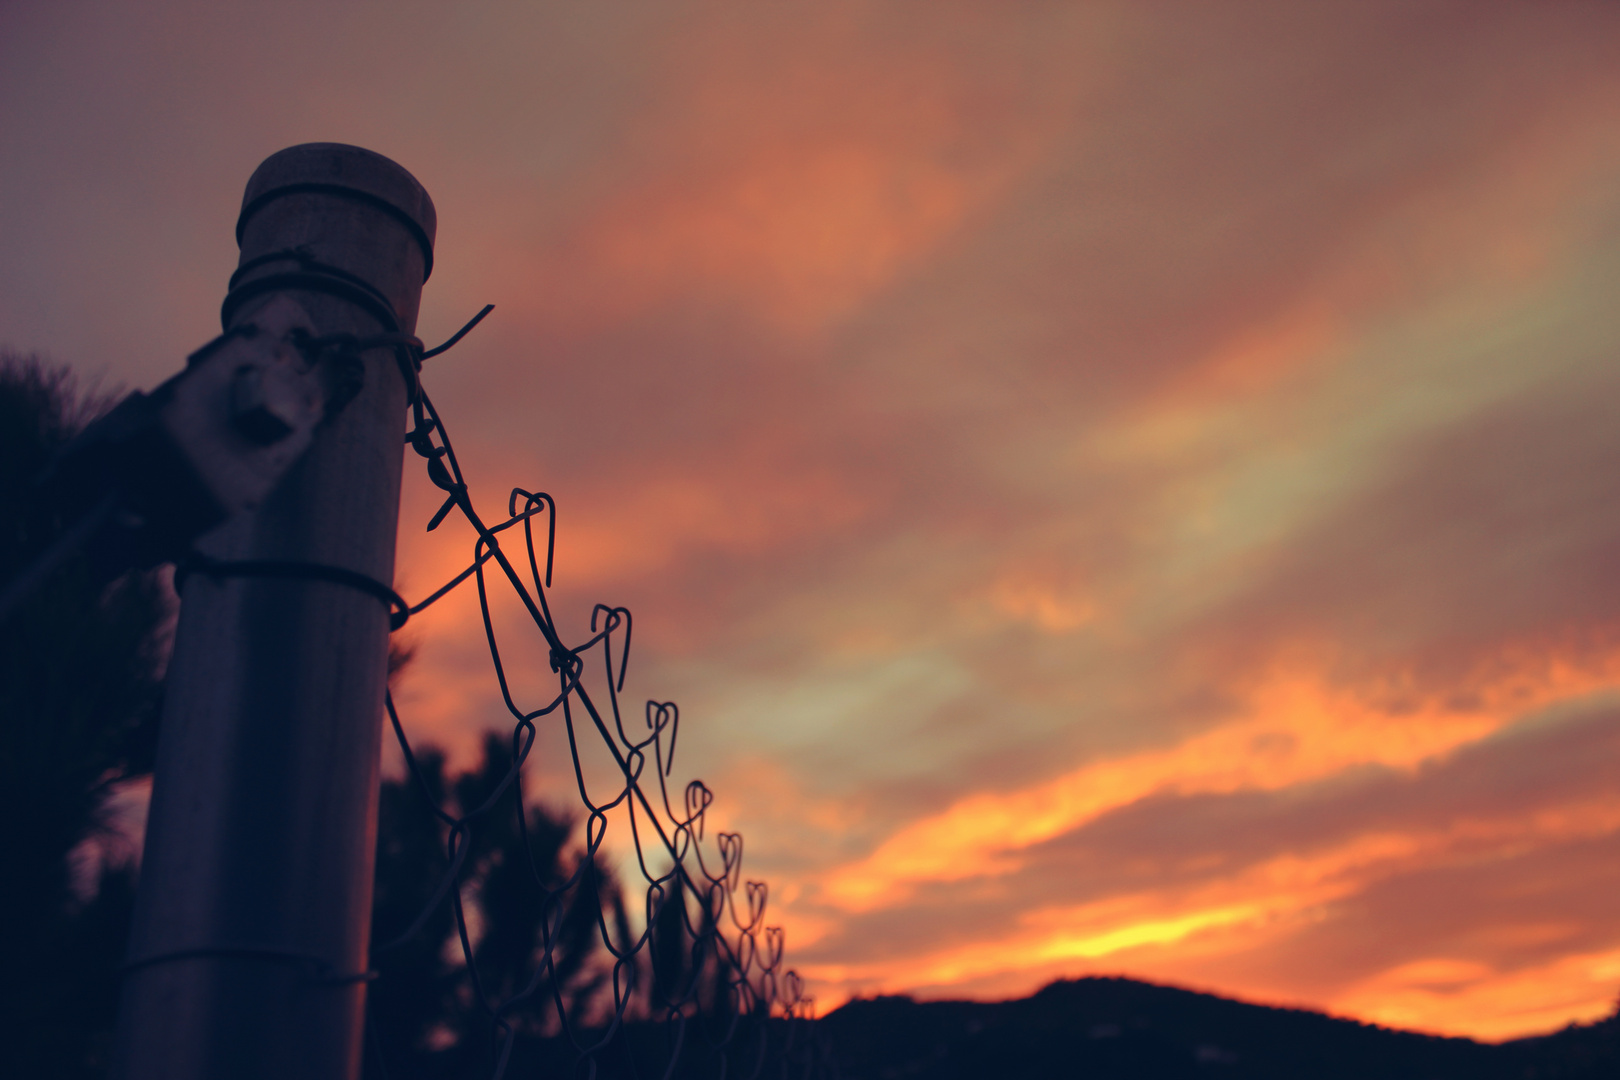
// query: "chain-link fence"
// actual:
[[694, 983]]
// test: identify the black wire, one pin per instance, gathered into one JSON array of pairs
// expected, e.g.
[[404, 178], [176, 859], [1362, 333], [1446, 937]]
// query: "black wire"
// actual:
[[744, 964], [197, 563], [459, 334]]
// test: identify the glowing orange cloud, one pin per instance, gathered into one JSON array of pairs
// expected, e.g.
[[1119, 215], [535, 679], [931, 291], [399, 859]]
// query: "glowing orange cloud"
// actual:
[[806, 232], [1460, 996], [742, 509], [1149, 930], [1294, 729]]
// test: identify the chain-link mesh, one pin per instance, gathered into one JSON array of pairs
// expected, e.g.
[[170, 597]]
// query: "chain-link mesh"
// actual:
[[701, 988]]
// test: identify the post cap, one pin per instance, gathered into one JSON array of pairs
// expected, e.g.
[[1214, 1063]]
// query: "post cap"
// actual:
[[349, 172]]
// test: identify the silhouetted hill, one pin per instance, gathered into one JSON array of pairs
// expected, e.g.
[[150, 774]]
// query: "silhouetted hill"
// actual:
[[1102, 1028]]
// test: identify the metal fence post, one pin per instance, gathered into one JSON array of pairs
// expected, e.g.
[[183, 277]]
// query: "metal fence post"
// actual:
[[249, 941]]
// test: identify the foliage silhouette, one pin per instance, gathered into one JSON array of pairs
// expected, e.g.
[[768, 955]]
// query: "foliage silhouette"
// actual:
[[80, 670], [423, 1013]]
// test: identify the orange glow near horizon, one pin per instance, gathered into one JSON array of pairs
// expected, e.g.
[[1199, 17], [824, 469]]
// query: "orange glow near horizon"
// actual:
[[1148, 930]]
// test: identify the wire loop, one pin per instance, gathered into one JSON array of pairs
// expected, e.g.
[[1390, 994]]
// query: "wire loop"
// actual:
[[727, 997], [198, 563]]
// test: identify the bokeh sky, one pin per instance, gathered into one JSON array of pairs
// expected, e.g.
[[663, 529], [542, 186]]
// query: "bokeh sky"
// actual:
[[1114, 487]]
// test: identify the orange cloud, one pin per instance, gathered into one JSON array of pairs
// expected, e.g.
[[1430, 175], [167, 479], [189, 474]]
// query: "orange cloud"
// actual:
[[1029, 599], [1295, 728], [800, 234], [1458, 996], [742, 507], [1232, 913]]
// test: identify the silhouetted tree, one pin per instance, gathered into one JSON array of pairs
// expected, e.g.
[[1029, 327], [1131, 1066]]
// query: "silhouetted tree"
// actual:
[[526, 889], [411, 998], [80, 665], [519, 890], [685, 967]]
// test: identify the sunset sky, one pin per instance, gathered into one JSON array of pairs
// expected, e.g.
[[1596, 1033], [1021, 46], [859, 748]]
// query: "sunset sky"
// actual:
[[1113, 487]]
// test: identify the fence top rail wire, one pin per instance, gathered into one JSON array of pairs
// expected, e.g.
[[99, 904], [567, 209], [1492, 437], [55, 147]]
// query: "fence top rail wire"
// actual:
[[731, 1001]]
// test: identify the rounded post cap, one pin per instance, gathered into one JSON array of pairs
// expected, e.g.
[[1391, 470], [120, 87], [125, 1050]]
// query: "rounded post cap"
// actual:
[[348, 172]]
